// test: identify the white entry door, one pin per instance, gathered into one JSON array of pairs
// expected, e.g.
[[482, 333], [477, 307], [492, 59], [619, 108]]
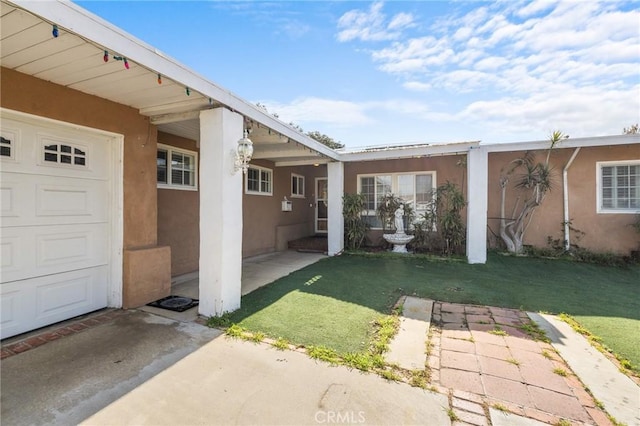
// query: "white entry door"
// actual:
[[55, 185]]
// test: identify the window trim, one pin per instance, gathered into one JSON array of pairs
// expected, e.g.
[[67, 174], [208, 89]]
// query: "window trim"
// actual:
[[301, 184], [394, 183], [599, 166], [170, 149], [259, 192]]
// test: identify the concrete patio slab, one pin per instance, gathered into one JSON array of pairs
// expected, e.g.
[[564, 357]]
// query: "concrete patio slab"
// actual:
[[502, 418], [66, 380], [237, 382], [257, 272], [617, 392], [408, 347]]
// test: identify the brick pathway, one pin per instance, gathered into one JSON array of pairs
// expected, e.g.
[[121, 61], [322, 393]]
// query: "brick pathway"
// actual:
[[487, 357], [24, 342]]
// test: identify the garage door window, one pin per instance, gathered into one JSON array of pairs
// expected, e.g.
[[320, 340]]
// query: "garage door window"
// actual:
[[65, 154], [5, 147]]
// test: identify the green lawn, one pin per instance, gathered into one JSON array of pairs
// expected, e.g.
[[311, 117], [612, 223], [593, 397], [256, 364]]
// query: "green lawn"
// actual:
[[334, 301]]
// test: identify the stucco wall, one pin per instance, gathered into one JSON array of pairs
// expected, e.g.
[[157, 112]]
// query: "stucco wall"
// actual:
[[262, 214], [603, 232], [447, 168], [179, 217], [34, 96]]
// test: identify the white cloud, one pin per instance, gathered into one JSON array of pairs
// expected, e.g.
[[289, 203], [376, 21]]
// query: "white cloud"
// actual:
[[519, 68], [313, 109], [371, 25], [417, 86], [401, 21], [535, 7]]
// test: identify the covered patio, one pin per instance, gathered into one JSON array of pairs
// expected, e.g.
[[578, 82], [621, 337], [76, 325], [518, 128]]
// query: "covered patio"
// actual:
[[257, 271]]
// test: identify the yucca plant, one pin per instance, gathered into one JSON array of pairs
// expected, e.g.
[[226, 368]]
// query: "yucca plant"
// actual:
[[532, 185]]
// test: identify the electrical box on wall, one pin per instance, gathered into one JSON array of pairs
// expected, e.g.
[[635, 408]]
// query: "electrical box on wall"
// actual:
[[287, 206]]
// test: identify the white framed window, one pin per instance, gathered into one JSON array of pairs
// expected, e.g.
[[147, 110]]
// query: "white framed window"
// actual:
[[177, 168], [416, 189], [259, 181], [618, 186], [297, 186]]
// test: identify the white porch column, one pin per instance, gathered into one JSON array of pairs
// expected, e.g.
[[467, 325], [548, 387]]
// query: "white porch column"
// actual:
[[335, 188], [477, 193], [220, 212]]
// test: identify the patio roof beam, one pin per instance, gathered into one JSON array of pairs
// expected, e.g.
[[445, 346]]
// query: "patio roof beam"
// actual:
[[269, 154], [304, 162], [173, 118]]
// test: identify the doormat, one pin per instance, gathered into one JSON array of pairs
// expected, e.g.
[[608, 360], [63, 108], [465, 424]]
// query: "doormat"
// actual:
[[175, 303]]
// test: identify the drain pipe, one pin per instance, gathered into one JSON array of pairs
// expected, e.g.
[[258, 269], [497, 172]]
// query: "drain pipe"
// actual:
[[565, 188]]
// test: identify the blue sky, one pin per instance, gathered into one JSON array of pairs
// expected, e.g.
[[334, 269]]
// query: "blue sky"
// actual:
[[370, 73]]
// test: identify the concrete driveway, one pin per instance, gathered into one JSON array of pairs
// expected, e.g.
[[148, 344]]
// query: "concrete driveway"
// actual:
[[140, 368]]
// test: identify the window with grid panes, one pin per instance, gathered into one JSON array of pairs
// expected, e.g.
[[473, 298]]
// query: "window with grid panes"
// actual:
[[619, 187], [176, 168]]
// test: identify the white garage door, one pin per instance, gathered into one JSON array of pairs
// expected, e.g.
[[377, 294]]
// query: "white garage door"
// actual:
[[55, 229]]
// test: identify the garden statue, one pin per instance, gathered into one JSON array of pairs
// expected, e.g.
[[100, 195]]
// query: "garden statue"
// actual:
[[399, 220], [399, 239]]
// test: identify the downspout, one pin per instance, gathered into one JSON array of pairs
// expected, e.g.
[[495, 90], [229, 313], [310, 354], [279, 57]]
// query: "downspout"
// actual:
[[565, 187]]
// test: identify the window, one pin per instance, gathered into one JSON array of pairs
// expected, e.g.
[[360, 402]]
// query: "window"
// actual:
[[5, 147], [297, 185], [414, 188], [618, 187], [176, 168], [65, 154], [259, 181]]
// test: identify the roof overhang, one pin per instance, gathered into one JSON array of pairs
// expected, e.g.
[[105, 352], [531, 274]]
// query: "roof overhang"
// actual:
[[74, 59], [392, 152], [564, 143]]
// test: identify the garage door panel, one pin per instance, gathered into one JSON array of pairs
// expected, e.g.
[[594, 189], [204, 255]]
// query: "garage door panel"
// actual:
[[18, 310], [57, 297], [63, 152], [64, 200], [32, 200], [14, 197], [56, 186], [13, 248], [45, 250]]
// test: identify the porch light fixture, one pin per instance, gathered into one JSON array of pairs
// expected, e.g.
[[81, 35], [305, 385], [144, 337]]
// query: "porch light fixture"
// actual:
[[244, 153]]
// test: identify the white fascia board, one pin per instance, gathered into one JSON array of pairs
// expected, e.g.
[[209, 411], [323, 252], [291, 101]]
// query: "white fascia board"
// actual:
[[399, 152], [565, 143], [71, 17]]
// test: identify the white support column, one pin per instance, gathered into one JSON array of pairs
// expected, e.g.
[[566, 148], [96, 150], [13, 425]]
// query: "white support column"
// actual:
[[220, 212], [335, 187], [477, 193]]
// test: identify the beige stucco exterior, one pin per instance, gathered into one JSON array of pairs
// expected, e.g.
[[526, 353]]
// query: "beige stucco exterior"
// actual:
[[448, 168], [266, 228], [179, 217], [603, 232], [161, 226]]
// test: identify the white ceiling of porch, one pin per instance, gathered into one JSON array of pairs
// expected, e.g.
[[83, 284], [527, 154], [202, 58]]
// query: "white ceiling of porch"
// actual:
[[76, 62]]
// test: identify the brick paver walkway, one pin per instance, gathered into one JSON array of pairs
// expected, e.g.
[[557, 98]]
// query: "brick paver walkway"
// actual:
[[492, 357]]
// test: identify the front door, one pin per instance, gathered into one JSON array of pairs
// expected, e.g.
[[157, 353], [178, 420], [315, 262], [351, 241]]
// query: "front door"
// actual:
[[321, 206]]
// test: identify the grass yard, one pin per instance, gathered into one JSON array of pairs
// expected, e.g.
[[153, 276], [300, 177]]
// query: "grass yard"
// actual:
[[334, 301]]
